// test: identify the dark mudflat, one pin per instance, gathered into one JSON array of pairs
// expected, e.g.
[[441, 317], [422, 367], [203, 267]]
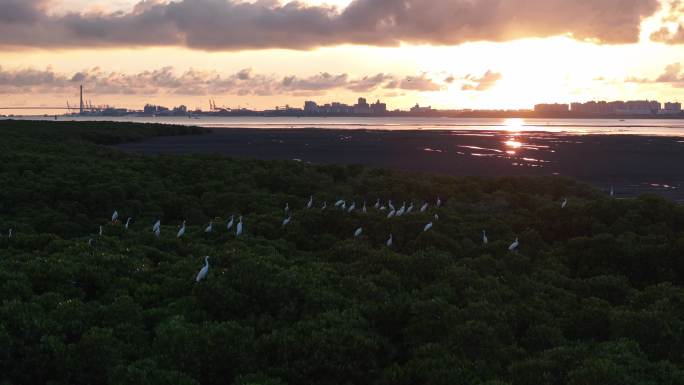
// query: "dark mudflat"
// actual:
[[633, 164]]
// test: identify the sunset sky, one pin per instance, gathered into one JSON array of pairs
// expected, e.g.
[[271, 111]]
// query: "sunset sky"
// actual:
[[259, 54]]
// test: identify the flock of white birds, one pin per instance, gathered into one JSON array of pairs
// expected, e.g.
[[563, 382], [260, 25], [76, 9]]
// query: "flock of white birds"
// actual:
[[389, 207]]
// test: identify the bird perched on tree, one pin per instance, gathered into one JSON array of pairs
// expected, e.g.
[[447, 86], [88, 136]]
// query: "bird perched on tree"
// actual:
[[514, 245], [181, 231], [238, 232], [205, 270]]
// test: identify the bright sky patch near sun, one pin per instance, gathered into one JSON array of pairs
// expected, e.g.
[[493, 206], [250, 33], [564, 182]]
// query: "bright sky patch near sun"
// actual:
[[429, 69]]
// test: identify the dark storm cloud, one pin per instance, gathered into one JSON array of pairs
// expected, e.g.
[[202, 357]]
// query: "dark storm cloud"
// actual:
[[233, 25]]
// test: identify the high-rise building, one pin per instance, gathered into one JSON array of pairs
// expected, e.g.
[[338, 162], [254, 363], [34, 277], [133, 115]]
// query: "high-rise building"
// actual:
[[551, 108]]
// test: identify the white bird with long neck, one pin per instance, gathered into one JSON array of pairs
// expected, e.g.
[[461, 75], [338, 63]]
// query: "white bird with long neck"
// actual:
[[325, 205], [287, 220], [115, 216], [209, 228], [439, 202], [485, 240], [157, 226], [205, 270], [128, 223], [389, 241], [391, 214], [339, 203], [352, 207], [358, 232], [436, 217], [383, 208], [514, 245], [230, 223], [9, 234], [424, 207], [390, 205], [377, 204], [309, 204], [287, 207], [409, 209], [401, 210], [181, 231], [427, 227], [564, 203], [238, 232], [344, 206]]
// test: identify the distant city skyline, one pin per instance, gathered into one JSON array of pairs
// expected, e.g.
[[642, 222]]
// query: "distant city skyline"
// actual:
[[444, 53]]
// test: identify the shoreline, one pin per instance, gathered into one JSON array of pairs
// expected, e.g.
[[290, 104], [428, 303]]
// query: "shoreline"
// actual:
[[633, 164]]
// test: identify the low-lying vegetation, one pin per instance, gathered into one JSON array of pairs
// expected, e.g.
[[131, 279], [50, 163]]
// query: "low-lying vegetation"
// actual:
[[592, 295]]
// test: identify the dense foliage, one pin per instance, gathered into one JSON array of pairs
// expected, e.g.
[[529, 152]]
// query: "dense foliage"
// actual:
[[593, 295]]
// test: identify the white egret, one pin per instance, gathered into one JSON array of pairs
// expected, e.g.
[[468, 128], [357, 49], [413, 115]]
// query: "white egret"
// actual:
[[383, 208], [344, 206], [401, 210], [436, 217], [287, 207], [564, 203], [325, 205], [409, 209], [9, 235], [156, 226], [209, 228], [389, 241], [310, 203], [230, 222], [100, 230], [427, 227], [352, 207], [181, 232], [377, 204], [485, 240], [358, 232], [391, 214], [203, 273], [90, 242], [363, 209], [514, 245], [239, 227], [115, 216], [439, 202], [390, 205], [424, 207], [287, 220], [339, 203], [128, 223]]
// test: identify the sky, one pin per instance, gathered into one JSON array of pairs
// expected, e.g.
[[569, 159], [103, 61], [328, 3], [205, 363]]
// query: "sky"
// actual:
[[451, 54]]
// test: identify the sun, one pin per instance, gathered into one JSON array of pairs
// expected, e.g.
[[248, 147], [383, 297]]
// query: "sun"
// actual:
[[514, 124]]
